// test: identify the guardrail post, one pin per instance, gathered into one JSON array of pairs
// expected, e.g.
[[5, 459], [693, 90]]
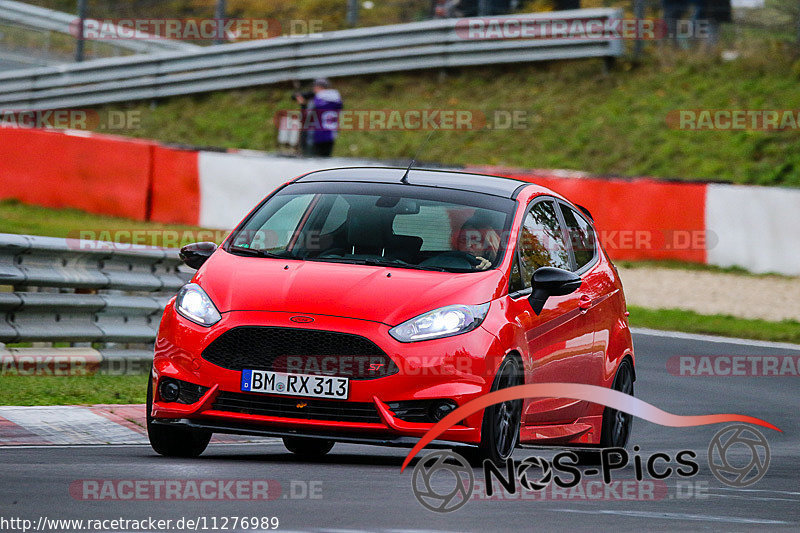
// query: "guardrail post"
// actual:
[[219, 14], [352, 13], [81, 37], [638, 14]]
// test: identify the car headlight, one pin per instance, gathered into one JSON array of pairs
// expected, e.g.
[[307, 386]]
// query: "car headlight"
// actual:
[[443, 322], [194, 304]]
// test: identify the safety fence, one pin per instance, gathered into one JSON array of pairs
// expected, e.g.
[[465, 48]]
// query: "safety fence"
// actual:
[[82, 300], [33, 17], [374, 50]]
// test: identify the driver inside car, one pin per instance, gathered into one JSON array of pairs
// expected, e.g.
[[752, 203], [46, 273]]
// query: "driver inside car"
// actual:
[[478, 238]]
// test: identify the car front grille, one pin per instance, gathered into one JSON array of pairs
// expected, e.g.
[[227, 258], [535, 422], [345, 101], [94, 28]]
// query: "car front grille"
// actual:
[[301, 351], [307, 408]]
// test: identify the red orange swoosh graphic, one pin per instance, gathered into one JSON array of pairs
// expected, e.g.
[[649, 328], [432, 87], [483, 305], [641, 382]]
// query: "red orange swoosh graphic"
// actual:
[[591, 393]]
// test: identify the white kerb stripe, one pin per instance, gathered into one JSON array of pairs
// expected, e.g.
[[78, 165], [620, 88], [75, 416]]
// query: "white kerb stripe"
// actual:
[[71, 425], [754, 227]]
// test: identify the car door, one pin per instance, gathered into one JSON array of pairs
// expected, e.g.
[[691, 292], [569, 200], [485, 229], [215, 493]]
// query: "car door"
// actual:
[[560, 339], [596, 290]]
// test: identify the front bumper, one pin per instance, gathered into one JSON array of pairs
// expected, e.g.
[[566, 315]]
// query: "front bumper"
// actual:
[[458, 368]]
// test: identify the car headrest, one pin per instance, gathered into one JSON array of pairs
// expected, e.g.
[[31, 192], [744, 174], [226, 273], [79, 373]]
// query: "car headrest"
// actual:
[[365, 231]]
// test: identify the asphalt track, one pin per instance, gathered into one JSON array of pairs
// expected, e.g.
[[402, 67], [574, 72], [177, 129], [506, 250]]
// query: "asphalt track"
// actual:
[[361, 487]]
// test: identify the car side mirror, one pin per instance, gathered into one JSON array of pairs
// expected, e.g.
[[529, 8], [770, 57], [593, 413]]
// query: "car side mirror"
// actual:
[[195, 254], [551, 281]]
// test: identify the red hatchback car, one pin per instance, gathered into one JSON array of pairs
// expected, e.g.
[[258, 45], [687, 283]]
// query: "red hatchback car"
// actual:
[[363, 305]]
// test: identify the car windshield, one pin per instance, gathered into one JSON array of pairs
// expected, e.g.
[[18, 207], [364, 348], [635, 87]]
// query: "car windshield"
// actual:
[[397, 225]]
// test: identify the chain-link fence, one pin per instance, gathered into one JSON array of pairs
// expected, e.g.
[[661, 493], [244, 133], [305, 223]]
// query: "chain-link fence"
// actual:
[[30, 46], [728, 24], [733, 26]]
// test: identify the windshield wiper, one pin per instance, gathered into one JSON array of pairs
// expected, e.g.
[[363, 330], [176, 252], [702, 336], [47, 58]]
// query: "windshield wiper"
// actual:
[[378, 262], [241, 250]]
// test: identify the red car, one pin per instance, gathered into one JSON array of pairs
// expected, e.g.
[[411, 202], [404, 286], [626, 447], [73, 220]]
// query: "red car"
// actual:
[[363, 305]]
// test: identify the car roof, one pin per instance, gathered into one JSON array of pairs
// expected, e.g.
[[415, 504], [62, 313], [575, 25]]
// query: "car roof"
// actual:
[[445, 179]]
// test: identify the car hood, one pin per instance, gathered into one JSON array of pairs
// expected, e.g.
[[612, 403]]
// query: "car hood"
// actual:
[[237, 283]]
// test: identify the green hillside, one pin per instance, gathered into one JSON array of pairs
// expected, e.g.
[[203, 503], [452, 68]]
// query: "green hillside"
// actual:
[[578, 116]]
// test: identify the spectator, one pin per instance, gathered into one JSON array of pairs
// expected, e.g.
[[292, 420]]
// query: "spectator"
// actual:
[[717, 12], [704, 19], [322, 121], [674, 11]]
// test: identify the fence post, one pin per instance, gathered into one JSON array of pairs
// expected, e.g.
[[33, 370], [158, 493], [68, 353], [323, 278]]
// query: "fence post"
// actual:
[[80, 36], [638, 14], [352, 13], [219, 14]]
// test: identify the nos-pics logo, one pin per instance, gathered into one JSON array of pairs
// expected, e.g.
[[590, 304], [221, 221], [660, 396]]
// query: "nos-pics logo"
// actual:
[[443, 481]]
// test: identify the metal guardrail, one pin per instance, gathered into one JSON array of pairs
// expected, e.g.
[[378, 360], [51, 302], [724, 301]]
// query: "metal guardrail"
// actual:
[[77, 291], [57, 21], [421, 45]]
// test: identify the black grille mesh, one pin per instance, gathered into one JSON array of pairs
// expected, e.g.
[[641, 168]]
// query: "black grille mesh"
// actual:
[[412, 410], [302, 351], [190, 393], [304, 408]]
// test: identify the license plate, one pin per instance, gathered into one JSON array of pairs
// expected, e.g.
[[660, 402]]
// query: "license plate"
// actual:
[[306, 385]]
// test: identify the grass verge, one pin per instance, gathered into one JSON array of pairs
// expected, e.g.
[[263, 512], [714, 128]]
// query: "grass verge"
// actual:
[[72, 390], [724, 325], [16, 217]]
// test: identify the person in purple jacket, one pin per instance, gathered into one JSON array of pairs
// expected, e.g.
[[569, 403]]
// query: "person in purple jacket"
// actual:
[[322, 117]]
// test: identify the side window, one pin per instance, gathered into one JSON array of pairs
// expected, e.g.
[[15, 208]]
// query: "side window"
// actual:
[[581, 234], [542, 241]]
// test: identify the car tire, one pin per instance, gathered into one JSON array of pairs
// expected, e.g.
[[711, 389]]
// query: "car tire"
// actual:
[[308, 448], [616, 428], [501, 422], [174, 442]]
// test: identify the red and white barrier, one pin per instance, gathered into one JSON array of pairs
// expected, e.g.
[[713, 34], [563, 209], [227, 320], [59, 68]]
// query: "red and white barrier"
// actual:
[[757, 228], [99, 174], [231, 184], [639, 219]]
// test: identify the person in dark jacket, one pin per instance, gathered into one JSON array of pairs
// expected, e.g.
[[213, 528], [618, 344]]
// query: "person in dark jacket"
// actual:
[[322, 120], [705, 17]]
